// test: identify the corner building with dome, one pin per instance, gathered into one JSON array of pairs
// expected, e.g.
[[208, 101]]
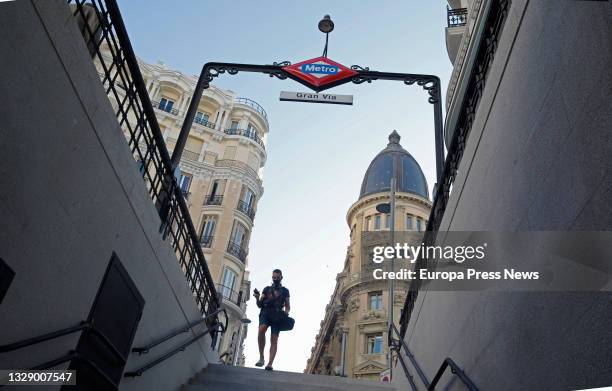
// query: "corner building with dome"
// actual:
[[352, 337]]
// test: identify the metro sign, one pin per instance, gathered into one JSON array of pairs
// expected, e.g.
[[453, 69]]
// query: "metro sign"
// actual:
[[319, 73]]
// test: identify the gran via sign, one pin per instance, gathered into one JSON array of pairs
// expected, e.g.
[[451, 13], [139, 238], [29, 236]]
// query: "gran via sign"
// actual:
[[316, 98], [319, 73]]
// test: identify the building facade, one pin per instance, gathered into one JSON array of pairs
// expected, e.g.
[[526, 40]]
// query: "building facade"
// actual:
[[353, 334], [221, 179]]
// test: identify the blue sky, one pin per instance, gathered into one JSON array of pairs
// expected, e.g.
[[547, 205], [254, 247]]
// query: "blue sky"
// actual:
[[317, 154]]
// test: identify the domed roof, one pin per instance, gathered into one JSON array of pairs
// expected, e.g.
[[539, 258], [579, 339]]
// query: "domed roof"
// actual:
[[408, 175]]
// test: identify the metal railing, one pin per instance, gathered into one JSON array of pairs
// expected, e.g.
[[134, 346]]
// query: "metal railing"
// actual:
[[237, 251], [204, 122], [456, 17], [206, 241], [159, 106], [214, 316], [253, 104], [250, 134], [213, 200], [246, 209], [398, 344], [229, 294], [72, 355], [485, 54], [103, 30]]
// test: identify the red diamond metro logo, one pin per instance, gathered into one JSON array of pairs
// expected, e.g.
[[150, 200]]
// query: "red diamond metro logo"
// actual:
[[319, 73]]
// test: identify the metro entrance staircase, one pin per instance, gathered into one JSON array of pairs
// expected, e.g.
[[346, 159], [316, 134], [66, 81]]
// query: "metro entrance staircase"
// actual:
[[218, 377]]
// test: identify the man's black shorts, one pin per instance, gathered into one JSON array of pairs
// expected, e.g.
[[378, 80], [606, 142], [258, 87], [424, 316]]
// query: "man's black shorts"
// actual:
[[263, 319]]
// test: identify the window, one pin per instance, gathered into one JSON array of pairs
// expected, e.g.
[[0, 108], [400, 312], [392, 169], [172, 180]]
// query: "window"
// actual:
[[234, 125], [201, 118], [184, 183], [375, 300], [419, 226], [208, 226], [251, 132], [239, 234], [366, 225], [166, 104], [409, 226], [374, 343], [377, 222], [387, 220], [229, 278], [248, 197]]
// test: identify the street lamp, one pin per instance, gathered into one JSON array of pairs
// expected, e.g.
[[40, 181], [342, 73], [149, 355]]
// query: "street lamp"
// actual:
[[326, 26], [243, 321]]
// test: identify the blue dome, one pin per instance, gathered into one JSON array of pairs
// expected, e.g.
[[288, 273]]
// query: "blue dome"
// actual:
[[408, 175]]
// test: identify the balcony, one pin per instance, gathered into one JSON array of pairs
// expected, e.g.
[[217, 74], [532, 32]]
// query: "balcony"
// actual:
[[456, 17], [206, 241], [246, 209], [159, 106], [213, 200], [204, 122], [255, 105], [250, 134], [237, 251], [227, 294], [185, 193]]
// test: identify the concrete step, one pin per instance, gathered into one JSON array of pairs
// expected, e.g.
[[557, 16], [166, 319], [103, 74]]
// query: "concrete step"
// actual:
[[216, 375]]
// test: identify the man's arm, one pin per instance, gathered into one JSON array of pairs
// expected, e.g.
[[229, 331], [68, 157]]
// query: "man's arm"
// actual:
[[287, 305]]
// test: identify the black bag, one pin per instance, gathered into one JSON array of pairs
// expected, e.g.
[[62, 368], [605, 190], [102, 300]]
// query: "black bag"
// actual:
[[286, 323]]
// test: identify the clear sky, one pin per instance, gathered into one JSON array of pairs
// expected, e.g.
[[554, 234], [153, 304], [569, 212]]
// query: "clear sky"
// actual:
[[317, 154]]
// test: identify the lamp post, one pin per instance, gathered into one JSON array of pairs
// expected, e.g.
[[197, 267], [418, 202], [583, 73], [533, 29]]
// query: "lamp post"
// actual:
[[326, 26]]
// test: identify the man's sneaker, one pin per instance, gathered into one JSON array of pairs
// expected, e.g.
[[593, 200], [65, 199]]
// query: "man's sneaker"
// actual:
[[268, 367], [260, 363]]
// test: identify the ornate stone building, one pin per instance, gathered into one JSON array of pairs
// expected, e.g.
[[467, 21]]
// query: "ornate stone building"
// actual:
[[220, 176], [353, 334]]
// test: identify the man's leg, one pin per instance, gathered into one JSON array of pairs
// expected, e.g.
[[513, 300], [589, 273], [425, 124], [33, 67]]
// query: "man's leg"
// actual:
[[261, 340], [273, 345]]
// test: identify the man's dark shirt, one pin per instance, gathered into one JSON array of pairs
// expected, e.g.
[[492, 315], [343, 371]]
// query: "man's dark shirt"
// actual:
[[273, 299]]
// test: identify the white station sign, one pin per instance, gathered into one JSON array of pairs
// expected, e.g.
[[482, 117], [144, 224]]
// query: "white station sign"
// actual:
[[316, 97]]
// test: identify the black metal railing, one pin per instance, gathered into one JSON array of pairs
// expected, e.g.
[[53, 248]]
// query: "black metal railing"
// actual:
[[214, 327], [213, 200], [456, 17], [206, 241], [250, 134], [185, 193], [253, 104], [246, 209], [71, 355], [494, 24], [204, 122], [229, 294], [237, 251], [108, 42], [397, 345], [160, 106]]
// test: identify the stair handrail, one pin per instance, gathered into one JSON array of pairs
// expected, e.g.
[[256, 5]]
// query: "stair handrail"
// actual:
[[397, 344], [145, 349], [82, 326], [138, 372]]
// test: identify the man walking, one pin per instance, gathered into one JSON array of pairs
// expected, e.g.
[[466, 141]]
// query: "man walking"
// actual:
[[274, 304]]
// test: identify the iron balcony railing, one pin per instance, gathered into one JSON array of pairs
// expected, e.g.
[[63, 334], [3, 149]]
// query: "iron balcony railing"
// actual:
[[159, 106], [206, 241], [102, 27], [456, 17], [237, 251], [213, 200], [229, 294], [251, 134], [253, 104], [204, 122], [246, 209]]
